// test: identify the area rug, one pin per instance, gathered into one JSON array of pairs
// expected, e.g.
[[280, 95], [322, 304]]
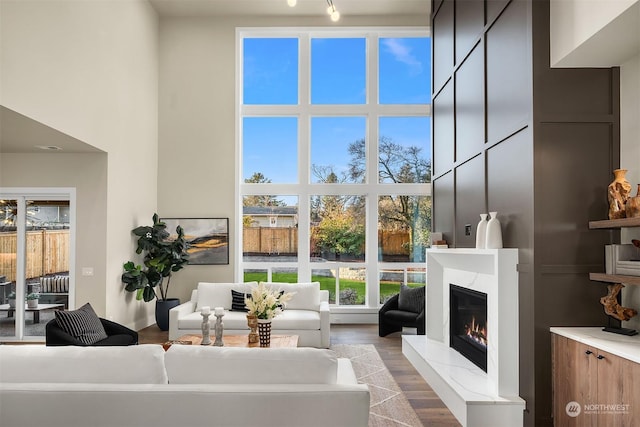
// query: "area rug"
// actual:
[[389, 406]]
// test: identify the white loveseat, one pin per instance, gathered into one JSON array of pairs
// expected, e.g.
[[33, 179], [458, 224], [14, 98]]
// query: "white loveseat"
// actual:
[[306, 315], [186, 386]]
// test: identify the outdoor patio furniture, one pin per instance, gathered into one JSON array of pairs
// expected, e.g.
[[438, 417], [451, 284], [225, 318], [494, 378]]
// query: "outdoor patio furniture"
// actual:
[[35, 310]]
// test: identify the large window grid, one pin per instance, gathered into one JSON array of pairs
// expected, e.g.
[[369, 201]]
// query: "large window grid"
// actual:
[[306, 188]]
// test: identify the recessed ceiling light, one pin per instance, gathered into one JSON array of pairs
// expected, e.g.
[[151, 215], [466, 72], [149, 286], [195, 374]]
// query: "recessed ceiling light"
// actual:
[[49, 147]]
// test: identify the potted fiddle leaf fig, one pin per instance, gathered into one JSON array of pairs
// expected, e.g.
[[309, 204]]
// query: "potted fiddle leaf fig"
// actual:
[[162, 258]]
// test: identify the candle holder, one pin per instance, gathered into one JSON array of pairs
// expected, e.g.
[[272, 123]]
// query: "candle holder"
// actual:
[[206, 339], [219, 328]]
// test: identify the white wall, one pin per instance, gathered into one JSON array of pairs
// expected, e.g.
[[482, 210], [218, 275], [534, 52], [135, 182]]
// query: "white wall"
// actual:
[[90, 70], [197, 113], [594, 32], [88, 174]]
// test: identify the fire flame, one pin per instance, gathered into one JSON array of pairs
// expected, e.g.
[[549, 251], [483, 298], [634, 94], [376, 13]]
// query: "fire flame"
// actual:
[[477, 332]]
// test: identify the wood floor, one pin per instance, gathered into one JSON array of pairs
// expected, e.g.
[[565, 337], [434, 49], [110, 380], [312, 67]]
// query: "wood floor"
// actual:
[[428, 407]]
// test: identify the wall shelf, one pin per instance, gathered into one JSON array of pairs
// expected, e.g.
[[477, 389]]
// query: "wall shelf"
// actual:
[[614, 223], [615, 278]]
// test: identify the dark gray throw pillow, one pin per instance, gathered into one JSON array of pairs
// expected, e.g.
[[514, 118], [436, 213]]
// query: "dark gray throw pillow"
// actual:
[[411, 299], [237, 301], [82, 324]]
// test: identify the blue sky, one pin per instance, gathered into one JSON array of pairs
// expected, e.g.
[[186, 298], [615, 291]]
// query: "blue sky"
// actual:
[[338, 76]]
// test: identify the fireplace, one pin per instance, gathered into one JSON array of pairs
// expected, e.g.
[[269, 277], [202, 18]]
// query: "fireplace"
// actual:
[[468, 324], [476, 397]]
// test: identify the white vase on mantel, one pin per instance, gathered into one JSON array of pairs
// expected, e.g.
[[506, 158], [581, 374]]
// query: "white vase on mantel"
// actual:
[[494, 233], [481, 232]]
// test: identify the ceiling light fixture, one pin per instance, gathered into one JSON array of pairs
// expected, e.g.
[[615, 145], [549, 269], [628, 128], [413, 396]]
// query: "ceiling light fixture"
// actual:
[[49, 147], [332, 11]]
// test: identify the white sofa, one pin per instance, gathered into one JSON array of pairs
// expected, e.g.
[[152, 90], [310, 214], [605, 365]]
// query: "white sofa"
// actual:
[[139, 386], [306, 315]]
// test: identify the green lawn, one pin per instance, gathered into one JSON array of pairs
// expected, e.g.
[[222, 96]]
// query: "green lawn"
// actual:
[[387, 289]]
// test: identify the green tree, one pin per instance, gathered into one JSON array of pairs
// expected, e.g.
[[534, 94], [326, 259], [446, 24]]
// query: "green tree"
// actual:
[[330, 205], [340, 234], [260, 200], [247, 221], [339, 219], [398, 164]]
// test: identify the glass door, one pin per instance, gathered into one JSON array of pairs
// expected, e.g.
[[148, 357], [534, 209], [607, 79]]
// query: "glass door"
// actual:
[[8, 266], [35, 257]]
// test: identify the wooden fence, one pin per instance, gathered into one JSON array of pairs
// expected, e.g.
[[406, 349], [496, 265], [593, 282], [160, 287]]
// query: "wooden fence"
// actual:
[[48, 250], [284, 240], [394, 242], [270, 240], [47, 253]]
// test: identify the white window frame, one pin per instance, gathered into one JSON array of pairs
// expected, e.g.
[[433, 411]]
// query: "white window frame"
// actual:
[[304, 111]]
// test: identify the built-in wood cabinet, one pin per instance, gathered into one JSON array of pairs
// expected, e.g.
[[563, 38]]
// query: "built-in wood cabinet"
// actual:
[[593, 387], [574, 380]]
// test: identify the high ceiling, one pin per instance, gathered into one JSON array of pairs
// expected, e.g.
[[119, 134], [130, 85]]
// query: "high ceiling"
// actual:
[[20, 134], [280, 7]]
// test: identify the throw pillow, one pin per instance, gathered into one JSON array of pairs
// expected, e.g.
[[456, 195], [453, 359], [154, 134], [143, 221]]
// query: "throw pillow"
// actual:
[[411, 299], [307, 295], [82, 324], [237, 301]]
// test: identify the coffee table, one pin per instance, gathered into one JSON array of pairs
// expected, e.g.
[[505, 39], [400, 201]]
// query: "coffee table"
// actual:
[[277, 341]]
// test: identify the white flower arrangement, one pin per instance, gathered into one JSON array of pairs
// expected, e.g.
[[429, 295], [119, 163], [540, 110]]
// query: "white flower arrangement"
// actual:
[[266, 303]]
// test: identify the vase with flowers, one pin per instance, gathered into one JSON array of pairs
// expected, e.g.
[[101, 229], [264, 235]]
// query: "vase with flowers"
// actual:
[[266, 303]]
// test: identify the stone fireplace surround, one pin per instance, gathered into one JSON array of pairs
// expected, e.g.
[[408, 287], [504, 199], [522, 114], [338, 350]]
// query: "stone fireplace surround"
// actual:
[[474, 397]]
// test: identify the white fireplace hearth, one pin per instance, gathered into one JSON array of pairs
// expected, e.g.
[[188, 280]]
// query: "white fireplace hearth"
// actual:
[[476, 398]]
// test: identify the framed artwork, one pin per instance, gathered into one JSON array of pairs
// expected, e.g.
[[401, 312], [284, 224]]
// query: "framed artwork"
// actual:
[[208, 238]]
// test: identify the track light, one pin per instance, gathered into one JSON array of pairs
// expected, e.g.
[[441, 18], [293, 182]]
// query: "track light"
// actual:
[[331, 10]]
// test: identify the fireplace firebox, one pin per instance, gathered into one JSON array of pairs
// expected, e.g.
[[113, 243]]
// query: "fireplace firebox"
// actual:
[[468, 324]]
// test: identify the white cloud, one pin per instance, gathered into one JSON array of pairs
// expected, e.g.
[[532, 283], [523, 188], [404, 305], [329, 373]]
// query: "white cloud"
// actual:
[[402, 53]]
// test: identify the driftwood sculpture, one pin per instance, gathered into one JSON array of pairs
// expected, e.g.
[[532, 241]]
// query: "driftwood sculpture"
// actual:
[[611, 306], [617, 194]]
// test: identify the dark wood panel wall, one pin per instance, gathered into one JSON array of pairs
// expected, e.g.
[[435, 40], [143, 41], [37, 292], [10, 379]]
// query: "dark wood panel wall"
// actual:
[[535, 144]]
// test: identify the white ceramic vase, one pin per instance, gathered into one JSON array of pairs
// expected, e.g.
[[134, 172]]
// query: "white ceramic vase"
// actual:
[[494, 233], [481, 232]]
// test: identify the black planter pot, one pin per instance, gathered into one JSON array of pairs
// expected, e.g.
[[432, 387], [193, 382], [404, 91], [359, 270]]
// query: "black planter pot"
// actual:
[[162, 312]]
